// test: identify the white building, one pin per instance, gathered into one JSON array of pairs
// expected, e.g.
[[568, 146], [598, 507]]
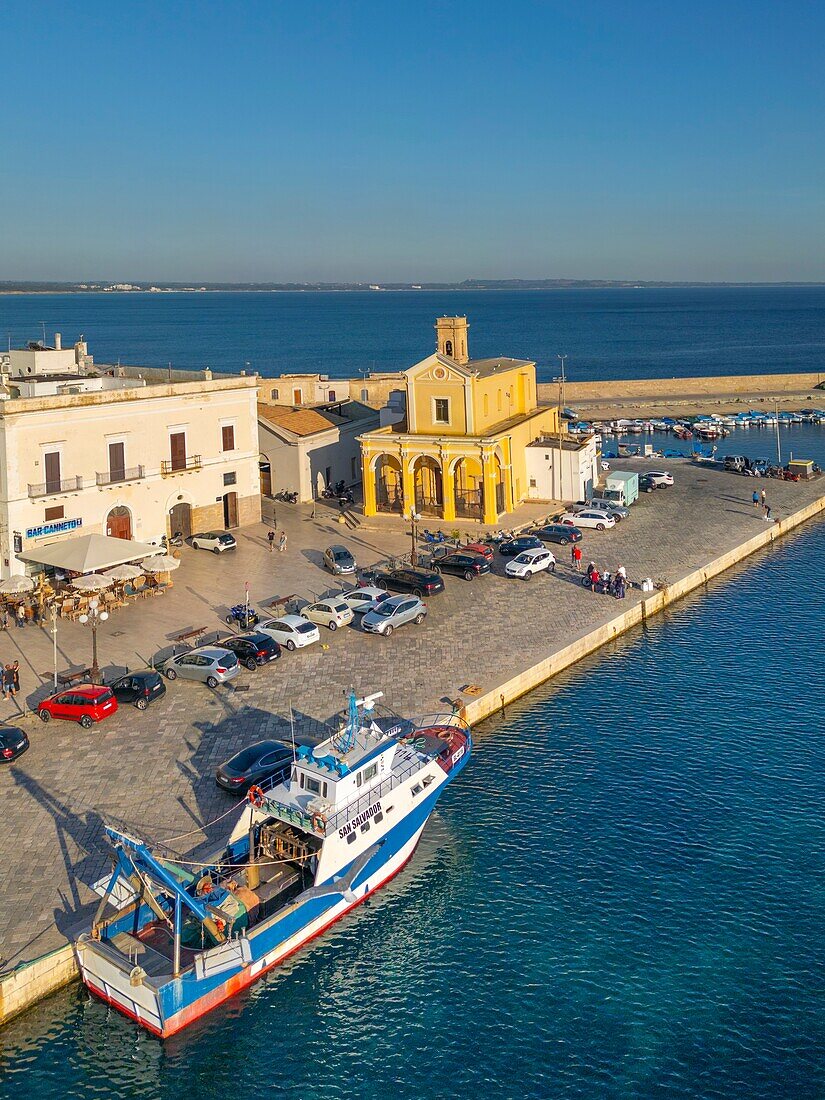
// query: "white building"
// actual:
[[567, 473], [114, 451], [305, 450]]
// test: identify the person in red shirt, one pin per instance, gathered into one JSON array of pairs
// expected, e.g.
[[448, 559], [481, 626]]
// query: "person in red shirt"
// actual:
[[594, 578], [576, 557]]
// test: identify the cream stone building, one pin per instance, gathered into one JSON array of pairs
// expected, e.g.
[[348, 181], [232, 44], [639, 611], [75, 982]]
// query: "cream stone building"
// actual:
[[119, 451]]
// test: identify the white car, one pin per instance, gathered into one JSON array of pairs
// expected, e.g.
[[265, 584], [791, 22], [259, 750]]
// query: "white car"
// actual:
[[332, 613], [528, 562], [660, 478], [216, 541], [362, 600], [293, 631], [590, 517]]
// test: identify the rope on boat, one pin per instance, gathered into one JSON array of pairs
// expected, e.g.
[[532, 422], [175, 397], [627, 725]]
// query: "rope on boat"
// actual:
[[236, 866], [206, 825]]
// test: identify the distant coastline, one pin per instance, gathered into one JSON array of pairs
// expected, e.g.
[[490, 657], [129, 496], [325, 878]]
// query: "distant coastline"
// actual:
[[157, 287]]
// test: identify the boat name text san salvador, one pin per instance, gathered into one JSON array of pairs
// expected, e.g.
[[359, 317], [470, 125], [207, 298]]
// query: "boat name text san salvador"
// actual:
[[359, 819]]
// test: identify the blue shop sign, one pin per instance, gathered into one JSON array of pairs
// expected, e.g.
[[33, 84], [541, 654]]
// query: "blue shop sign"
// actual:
[[58, 527]]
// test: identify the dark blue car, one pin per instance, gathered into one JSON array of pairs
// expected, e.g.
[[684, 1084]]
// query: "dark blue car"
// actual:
[[515, 546]]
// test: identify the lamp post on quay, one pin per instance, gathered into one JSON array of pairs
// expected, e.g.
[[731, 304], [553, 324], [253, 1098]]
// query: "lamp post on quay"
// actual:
[[414, 518], [94, 616]]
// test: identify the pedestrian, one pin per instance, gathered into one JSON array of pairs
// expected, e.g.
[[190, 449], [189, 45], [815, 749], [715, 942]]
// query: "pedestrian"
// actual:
[[15, 677], [594, 578], [551, 568], [768, 513], [620, 583], [21, 615], [4, 619], [282, 542], [764, 498], [8, 681], [755, 499], [270, 538], [622, 572]]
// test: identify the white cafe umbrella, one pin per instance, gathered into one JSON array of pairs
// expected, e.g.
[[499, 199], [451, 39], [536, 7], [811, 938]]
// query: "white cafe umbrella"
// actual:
[[94, 582], [16, 585], [160, 563], [124, 572]]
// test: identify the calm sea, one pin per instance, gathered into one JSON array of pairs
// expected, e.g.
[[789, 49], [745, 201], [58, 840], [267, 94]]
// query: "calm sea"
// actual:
[[621, 897], [618, 333]]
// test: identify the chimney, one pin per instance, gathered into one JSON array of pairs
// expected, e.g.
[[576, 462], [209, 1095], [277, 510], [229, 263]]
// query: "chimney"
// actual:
[[58, 343]]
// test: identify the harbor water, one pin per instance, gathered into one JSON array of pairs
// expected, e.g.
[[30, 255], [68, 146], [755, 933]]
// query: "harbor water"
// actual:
[[607, 333], [621, 897]]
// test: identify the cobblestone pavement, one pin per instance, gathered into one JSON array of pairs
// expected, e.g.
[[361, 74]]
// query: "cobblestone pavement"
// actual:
[[154, 770]]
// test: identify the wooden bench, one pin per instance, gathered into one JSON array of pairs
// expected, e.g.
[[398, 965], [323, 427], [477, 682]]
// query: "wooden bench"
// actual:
[[195, 632], [73, 676]]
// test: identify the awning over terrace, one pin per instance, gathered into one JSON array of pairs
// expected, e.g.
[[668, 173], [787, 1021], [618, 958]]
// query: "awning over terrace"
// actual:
[[89, 553]]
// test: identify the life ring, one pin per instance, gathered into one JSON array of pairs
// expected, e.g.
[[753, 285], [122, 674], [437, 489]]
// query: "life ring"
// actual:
[[319, 823], [204, 885], [256, 796]]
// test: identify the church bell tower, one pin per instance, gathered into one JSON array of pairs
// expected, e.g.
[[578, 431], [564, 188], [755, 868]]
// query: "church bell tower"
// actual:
[[451, 338]]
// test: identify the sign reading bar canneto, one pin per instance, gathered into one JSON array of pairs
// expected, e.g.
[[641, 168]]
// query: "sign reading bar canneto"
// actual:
[[59, 527]]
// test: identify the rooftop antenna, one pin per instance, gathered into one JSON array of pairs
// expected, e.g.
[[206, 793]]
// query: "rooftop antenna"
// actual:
[[43, 324]]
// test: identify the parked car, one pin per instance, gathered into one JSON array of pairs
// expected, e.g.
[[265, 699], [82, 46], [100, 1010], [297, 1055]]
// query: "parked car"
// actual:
[[293, 631], [216, 541], [139, 688], [211, 665], [393, 613], [603, 504], [13, 743], [417, 581], [468, 566], [563, 533], [511, 547], [86, 703], [527, 563], [259, 763], [589, 518], [363, 599], [252, 649], [337, 559], [647, 484], [481, 548], [661, 478], [332, 613]]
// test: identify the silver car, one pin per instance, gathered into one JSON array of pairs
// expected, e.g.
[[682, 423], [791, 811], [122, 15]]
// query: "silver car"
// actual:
[[337, 559], [394, 612], [209, 664], [363, 599]]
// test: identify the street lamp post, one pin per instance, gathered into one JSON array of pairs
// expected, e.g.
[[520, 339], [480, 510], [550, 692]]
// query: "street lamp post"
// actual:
[[560, 379], [94, 616], [414, 518]]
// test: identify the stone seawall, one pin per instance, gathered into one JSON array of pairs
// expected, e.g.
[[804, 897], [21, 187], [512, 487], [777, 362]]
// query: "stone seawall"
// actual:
[[649, 389]]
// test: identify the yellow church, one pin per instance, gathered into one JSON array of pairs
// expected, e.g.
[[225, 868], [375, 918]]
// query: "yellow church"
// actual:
[[459, 450]]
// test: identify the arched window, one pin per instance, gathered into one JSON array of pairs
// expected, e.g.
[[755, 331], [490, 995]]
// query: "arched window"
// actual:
[[274, 395], [448, 348]]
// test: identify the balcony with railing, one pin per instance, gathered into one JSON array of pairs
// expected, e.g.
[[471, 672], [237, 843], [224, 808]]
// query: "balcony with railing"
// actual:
[[56, 486], [170, 466], [116, 477]]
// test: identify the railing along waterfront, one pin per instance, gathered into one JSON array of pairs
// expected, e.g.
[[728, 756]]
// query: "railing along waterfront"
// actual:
[[309, 822], [52, 488], [115, 477], [171, 466]]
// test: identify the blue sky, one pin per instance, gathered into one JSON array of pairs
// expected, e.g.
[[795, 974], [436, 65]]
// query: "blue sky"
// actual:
[[420, 141]]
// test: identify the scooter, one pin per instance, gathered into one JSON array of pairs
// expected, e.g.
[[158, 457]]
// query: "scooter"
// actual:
[[433, 536], [287, 496], [172, 540], [242, 615]]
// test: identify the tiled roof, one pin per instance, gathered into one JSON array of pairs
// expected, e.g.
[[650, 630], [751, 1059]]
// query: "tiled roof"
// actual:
[[300, 422]]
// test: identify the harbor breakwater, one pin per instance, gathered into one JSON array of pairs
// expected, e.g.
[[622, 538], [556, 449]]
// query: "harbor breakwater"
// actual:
[[35, 980]]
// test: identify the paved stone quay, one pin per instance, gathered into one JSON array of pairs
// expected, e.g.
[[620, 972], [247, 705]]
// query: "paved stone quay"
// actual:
[[154, 771]]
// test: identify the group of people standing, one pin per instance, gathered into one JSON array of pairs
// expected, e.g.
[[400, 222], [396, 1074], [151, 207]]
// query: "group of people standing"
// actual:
[[615, 583], [270, 538]]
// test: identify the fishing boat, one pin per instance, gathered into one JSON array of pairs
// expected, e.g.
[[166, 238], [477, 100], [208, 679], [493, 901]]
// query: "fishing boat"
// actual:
[[172, 939]]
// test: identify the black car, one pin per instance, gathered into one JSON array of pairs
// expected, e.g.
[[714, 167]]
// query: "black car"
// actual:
[[254, 765], [13, 743], [647, 484], [511, 547], [562, 533], [252, 649], [139, 688], [417, 581], [468, 566]]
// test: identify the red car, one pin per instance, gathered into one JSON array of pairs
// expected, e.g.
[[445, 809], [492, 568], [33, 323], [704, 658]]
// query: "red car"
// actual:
[[84, 704], [480, 548]]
